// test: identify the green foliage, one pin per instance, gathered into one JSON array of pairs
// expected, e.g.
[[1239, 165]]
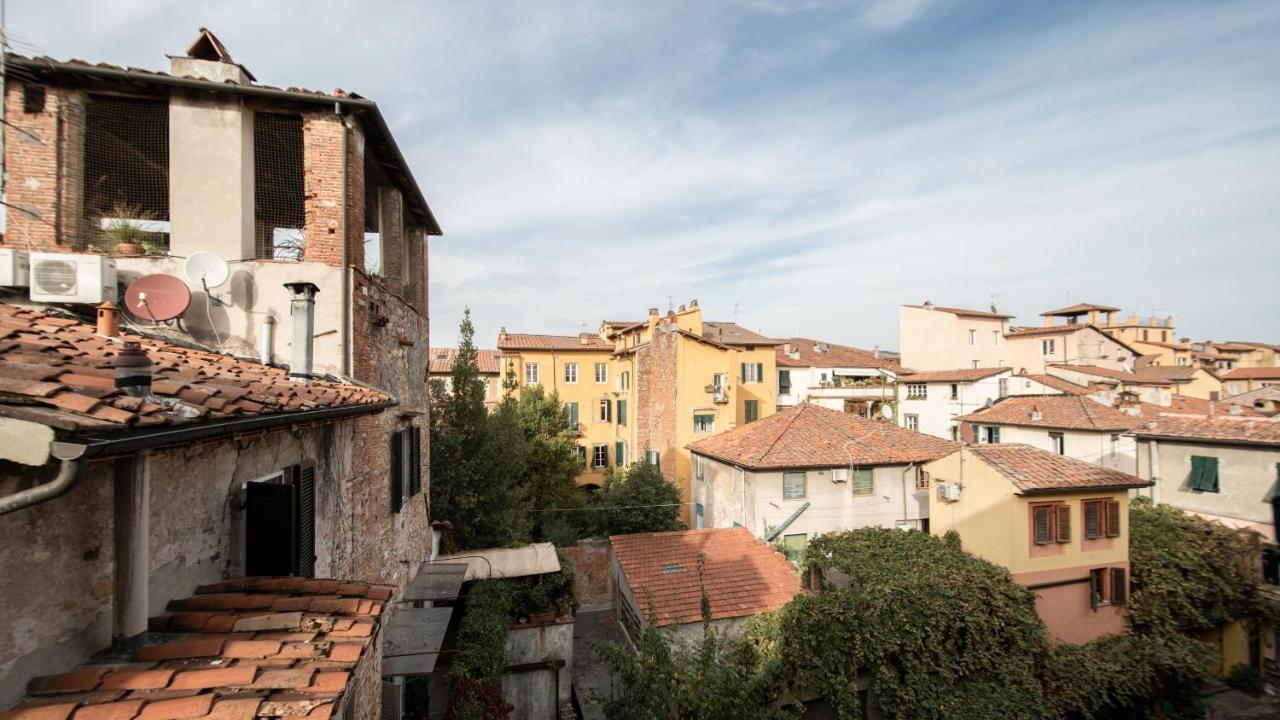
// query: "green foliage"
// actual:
[[636, 500], [1121, 674], [472, 700], [479, 460], [1245, 679], [119, 231], [482, 633], [551, 454], [1189, 573], [544, 593]]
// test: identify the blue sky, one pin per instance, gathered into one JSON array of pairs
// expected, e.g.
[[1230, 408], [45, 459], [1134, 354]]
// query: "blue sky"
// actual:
[[815, 163]]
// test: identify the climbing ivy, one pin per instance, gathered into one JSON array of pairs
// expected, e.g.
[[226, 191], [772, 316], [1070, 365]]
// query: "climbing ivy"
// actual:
[[481, 657]]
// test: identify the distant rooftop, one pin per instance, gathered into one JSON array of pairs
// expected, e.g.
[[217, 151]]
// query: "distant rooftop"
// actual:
[[1079, 309], [1032, 470]]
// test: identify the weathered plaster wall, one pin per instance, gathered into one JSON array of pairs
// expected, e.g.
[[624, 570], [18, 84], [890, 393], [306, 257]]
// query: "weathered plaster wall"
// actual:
[[1246, 476], [537, 694]]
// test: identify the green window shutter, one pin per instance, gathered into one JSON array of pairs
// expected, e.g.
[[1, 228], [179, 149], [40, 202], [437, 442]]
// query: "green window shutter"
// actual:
[[744, 372], [759, 372], [784, 382], [622, 412], [619, 451], [572, 409], [751, 410], [1211, 474], [1204, 474], [995, 435], [1197, 470]]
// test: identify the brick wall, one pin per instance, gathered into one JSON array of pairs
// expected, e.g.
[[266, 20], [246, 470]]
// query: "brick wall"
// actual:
[[391, 229], [41, 149], [593, 581], [656, 399], [323, 200], [365, 686]]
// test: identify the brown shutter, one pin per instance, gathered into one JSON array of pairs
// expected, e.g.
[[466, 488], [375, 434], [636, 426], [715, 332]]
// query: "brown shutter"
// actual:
[[1113, 518], [1063, 527], [1119, 587], [1092, 520], [1041, 522], [1095, 588], [397, 471], [305, 489]]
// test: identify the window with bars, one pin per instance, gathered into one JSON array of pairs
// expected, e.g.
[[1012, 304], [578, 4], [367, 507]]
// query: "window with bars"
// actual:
[[125, 175], [278, 211]]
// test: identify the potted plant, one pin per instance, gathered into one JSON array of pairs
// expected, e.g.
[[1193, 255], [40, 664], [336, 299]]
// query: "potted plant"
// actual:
[[123, 234]]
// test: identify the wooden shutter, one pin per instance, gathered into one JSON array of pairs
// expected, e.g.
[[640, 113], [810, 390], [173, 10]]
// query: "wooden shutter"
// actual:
[[415, 460], [1092, 520], [1210, 478], [751, 410], [619, 450], [397, 471], [995, 435], [1041, 523], [759, 372], [1095, 588], [1113, 518], [392, 702], [269, 529], [1119, 587], [744, 372], [305, 492], [1197, 472], [1062, 525]]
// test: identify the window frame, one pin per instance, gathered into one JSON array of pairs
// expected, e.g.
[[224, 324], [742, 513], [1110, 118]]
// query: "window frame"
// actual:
[[862, 482], [706, 428], [572, 414], [789, 493], [571, 373], [911, 421], [602, 373], [604, 410], [599, 456], [973, 337], [755, 374], [1058, 442], [532, 373], [917, 391], [784, 382], [1048, 346], [955, 391], [622, 411], [750, 411]]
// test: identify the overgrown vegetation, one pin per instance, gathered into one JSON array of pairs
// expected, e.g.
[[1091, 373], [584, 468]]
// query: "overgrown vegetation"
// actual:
[[636, 499], [937, 633], [1189, 573], [551, 593], [481, 656]]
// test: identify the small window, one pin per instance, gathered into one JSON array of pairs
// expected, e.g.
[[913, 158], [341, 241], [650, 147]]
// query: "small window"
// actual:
[[1048, 347], [622, 412], [620, 454], [955, 433], [1003, 385], [794, 543], [955, 391], [922, 479], [1097, 587], [599, 456], [704, 423], [1204, 474], [784, 382], [1042, 524], [988, 434], [698, 521], [571, 373], [624, 380], [1062, 523], [602, 373], [912, 422], [571, 410], [863, 482], [917, 391], [973, 337], [531, 373], [1095, 521], [794, 486], [995, 337], [606, 410], [750, 411], [582, 455], [32, 99], [1058, 442], [1115, 441], [752, 372]]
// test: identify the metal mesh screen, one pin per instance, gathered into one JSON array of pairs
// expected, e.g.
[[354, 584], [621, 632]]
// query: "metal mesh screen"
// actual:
[[126, 174], [278, 208]]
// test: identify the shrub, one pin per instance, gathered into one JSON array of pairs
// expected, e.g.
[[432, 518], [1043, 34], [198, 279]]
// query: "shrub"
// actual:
[[1245, 679], [636, 500], [482, 634]]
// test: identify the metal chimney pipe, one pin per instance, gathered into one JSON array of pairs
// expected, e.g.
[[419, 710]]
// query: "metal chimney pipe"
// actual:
[[133, 370], [302, 307], [267, 339]]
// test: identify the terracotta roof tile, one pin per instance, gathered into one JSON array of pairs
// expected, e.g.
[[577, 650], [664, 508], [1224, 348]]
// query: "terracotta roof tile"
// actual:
[[489, 362], [956, 375], [525, 341], [962, 312], [1056, 383], [296, 666], [1034, 470], [66, 366], [1079, 309], [1253, 373], [1120, 375], [1068, 412], [811, 436], [743, 576], [805, 353], [728, 333], [1228, 429]]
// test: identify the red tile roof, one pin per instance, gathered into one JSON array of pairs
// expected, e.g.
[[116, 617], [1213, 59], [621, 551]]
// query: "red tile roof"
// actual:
[[1120, 375], [728, 333], [56, 370], [1220, 428], [1079, 309], [1052, 330], [525, 341], [245, 648], [1034, 470], [957, 375], [1253, 373], [963, 312], [1172, 373], [1067, 412], [742, 575], [807, 355], [808, 435], [1183, 405], [1057, 383], [441, 362]]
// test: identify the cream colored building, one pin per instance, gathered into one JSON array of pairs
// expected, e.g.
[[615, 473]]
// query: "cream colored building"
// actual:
[[488, 363]]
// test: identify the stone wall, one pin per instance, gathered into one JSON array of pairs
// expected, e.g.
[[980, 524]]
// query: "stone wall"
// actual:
[[593, 583], [656, 408]]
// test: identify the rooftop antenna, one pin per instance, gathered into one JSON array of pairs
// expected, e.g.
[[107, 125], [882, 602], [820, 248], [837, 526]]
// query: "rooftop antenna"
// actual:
[[670, 305], [995, 299], [736, 307]]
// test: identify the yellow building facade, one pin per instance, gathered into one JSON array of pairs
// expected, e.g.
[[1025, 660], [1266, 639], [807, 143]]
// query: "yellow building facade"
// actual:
[[1058, 524], [646, 389]]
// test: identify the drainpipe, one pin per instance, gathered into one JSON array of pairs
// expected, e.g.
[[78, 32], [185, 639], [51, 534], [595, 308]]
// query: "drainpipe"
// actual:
[[267, 339], [72, 457], [345, 300], [905, 514], [302, 307]]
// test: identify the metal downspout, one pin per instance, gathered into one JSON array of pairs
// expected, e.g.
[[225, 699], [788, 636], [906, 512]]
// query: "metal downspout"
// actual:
[[72, 457], [346, 250]]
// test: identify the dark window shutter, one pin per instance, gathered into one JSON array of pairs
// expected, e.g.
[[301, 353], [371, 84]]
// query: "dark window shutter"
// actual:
[[269, 529], [1197, 472], [1041, 525], [759, 372], [1092, 520], [1210, 479], [415, 460], [995, 435], [1119, 587], [305, 487], [744, 372], [1063, 527], [397, 471], [392, 701], [1095, 588], [1113, 518], [618, 452]]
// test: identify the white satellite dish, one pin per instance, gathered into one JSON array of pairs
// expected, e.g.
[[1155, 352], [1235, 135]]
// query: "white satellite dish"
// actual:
[[886, 412], [206, 269]]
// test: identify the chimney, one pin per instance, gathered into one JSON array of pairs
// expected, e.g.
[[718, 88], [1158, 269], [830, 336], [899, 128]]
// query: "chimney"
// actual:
[[584, 338], [693, 303], [653, 312], [786, 349], [108, 319], [1036, 414], [928, 304], [303, 309], [208, 59], [133, 370], [875, 351]]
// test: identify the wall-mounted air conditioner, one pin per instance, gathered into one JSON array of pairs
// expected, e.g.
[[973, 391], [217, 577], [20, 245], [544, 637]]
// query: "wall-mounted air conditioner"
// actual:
[[68, 278], [949, 492], [14, 268]]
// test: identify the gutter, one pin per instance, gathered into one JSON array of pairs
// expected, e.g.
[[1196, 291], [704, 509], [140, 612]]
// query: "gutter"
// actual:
[[1091, 488], [134, 76], [72, 457]]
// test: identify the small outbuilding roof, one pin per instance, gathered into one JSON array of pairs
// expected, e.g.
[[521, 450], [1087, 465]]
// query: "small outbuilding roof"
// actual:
[[1032, 470], [742, 575], [524, 561]]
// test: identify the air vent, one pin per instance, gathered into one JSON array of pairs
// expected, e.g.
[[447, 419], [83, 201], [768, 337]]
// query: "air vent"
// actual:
[[672, 569]]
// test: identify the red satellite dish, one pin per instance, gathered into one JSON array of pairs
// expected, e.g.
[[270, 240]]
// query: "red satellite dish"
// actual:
[[157, 298]]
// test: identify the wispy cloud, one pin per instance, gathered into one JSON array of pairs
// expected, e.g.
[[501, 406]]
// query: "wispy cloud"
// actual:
[[816, 162]]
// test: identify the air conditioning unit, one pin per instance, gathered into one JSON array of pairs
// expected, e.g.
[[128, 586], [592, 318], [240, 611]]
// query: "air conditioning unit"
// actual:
[[840, 475], [68, 278], [949, 492], [14, 268]]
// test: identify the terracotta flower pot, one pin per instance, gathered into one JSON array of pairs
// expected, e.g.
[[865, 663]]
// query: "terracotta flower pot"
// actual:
[[128, 249]]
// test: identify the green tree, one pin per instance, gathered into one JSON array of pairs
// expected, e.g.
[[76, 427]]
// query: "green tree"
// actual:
[[551, 458], [636, 499], [478, 459]]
